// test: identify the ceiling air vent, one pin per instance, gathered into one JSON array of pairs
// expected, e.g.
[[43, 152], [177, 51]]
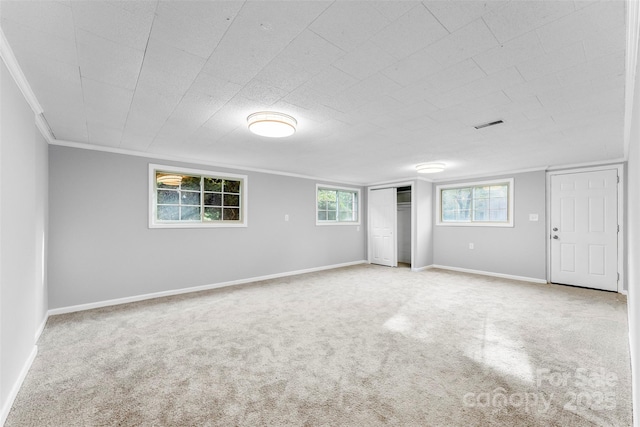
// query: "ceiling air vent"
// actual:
[[486, 125]]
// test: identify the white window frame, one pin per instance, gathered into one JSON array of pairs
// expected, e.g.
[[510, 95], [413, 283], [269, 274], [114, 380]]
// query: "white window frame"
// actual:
[[153, 196], [510, 204], [337, 188]]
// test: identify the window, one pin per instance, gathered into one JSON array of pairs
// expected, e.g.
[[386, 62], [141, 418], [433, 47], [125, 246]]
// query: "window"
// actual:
[[182, 197], [488, 203], [337, 205]]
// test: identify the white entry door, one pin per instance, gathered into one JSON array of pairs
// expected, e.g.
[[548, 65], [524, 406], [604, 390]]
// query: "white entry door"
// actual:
[[584, 229], [382, 214]]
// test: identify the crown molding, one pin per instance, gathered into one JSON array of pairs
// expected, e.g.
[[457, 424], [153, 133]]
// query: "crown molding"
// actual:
[[501, 173], [633, 35], [43, 127], [9, 59], [170, 158], [538, 169], [423, 178], [490, 174], [16, 72], [587, 164]]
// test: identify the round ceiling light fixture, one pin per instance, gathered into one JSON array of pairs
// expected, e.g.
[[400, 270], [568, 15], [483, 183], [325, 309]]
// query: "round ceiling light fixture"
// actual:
[[272, 124], [430, 167]]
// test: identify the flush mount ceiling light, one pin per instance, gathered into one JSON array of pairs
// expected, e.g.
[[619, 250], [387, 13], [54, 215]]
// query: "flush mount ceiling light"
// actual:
[[272, 124], [430, 167]]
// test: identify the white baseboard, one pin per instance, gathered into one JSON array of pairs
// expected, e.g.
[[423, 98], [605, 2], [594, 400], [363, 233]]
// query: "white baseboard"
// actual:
[[8, 403], [41, 327], [489, 273], [125, 300], [417, 269], [624, 292]]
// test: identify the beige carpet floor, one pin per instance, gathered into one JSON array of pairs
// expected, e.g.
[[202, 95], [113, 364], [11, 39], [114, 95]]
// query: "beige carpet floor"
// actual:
[[357, 346]]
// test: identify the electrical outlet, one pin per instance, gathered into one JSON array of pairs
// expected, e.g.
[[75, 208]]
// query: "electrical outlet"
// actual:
[[286, 217], [470, 245], [533, 217]]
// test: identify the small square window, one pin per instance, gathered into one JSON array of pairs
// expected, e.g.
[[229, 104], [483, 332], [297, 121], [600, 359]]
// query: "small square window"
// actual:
[[337, 205]]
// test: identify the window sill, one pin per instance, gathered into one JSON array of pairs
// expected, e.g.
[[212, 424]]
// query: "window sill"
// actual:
[[197, 225], [476, 224]]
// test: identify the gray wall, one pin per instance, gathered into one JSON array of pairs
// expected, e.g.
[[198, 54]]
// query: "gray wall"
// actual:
[[424, 224], [404, 233], [633, 245], [41, 227], [101, 247], [517, 251], [23, 200]]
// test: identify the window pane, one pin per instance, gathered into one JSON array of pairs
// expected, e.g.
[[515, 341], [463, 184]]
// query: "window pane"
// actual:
[[481, 192], [190, 213], [346, 216], [345, 200], [456, 198], [499, 215], [327, 195], [481, 215], [168, 213], [231, 186], [212, 184], [190, 198], [213, 199], [449, 216], [231, 214], [456, 204], [231, 200], [481, 203], [498, 203], [331, 216], [212, 214], [463, 215], [326, 200], [499, 190], [448, 198], [190, 183], [168, 197]]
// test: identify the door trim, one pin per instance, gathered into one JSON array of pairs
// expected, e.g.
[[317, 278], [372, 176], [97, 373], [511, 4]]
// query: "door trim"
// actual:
[[414, 207], [621, 215]]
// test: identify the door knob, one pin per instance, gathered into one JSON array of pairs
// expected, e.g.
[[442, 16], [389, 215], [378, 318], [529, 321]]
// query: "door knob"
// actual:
[[555, 237], [555, 228]]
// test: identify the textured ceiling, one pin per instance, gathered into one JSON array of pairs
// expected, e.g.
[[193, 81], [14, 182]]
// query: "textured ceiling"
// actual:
[[377, 86]]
